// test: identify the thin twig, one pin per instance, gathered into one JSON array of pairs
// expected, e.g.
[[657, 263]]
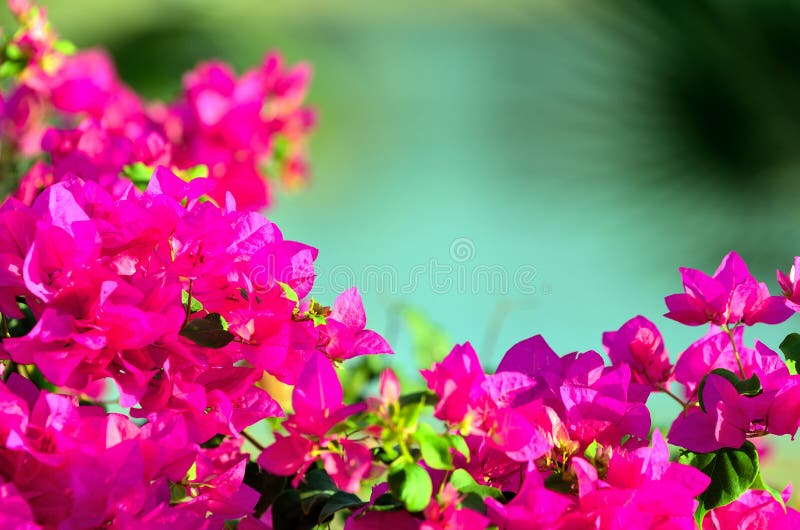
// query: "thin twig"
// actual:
[[731, 333], [188, 303], [247, 436], [682, 403]]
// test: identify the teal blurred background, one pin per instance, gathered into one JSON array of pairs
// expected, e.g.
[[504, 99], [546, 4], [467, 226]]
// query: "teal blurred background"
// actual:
[[595, 146]]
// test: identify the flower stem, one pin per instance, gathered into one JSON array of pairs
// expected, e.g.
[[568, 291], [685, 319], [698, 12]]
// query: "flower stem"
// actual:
[[730, 333], [188, 303], [758, 434], [247, 436], [405, 452], [667, 391]]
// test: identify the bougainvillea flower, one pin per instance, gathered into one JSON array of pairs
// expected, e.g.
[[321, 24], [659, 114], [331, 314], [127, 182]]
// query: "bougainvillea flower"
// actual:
[[728, 417], [219, 473], [754, 510], [790, 283], [366, 519], [714, 350], [725, 422], [443, 513], [454, 380], [344, 334], [638, 344], [14, 510], [783, 416], [77, 467], [136, 272], [317, 399], [598, 402], [318, 406], [483, 405], [631, 495], [728, 297], [535, 506], [349, 466]]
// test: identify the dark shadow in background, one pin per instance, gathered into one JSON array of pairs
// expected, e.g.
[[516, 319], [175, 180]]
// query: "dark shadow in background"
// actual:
[[724, 78], [148, 59]]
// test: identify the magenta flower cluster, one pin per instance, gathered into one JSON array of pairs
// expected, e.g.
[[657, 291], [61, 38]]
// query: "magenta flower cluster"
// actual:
[[241, 129], [149, 317], [566, 442]]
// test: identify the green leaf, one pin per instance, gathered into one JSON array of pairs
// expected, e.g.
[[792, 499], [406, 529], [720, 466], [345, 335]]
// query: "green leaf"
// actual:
[[14, 52], [464, 483], [340, 500], [317, 313], [387, 454], [386, 503], [302, 508], [410, 414], [591, 451], [312, 504], [732, 472], [195, 172], [289, 293], [280, 147], [37, 377], [267, 484], [23, 326], [64, 46], [287, 513], [460, 445], [426, 397], [317, 480], [791, 350], [195, 305], [760, 485], [210, 331], [746, 387], [139, 174], [474, 502], [191, 475], [435, 447], [320, 498], [411, 484], [177, 492], [11, 69], [557, 482]]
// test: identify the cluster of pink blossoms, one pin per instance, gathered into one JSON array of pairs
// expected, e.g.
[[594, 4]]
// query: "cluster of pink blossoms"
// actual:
[[129, 277], [183, 305], [69, 466], [240, 129], [566, 442]]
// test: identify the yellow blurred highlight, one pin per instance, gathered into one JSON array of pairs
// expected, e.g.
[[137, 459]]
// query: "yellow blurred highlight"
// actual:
[[280, 392]]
